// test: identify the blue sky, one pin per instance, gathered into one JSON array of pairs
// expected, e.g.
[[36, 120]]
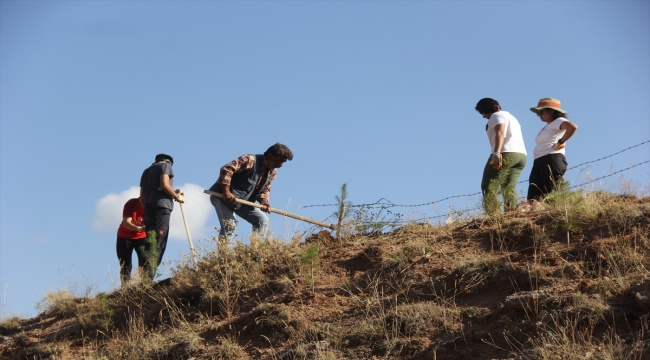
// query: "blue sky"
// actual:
[[379, 95]]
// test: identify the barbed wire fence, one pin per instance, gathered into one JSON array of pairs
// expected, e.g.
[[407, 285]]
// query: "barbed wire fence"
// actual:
[[384, 204]]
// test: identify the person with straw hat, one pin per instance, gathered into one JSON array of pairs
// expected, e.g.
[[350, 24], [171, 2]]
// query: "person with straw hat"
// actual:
[[507, 148], [550, 163]]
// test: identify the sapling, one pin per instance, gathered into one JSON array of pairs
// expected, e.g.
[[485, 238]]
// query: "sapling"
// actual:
[[497, 187], [310, 261], [343, 208], [105, 311], [153, 255]]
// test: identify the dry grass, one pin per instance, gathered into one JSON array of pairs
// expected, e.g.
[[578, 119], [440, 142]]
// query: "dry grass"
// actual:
[[59, 303], [418, 319], [9, 325], [228, 348], [418, 291]]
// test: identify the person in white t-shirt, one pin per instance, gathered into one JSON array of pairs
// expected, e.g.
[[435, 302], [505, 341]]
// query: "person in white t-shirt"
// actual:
[[506, 147], [550, 164]]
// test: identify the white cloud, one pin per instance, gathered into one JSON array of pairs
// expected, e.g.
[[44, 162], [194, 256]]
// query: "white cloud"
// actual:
[[108, 211], [197, 209]]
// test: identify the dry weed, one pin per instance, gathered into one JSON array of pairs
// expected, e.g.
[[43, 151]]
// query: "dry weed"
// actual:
[[421, 318], [59, 303], [229, 348], [47, 351], [9, 325], [274, 321]]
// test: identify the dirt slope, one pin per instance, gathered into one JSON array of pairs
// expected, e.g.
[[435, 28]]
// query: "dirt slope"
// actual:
[[506, 286]]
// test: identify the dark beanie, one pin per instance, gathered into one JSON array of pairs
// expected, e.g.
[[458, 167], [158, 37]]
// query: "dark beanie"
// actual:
[[161, 157]]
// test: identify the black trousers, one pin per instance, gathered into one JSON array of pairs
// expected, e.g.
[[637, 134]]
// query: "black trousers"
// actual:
[[547, 171], [157, 219], [125, 249]]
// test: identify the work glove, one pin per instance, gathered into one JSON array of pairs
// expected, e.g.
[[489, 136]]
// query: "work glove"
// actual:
[[496, 160], [559, 145]]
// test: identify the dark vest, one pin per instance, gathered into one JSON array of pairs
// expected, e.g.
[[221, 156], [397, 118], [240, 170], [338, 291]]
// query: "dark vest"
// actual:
[[242, 184]]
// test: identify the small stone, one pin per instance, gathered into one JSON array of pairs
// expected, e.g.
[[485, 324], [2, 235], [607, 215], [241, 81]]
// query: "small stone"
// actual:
[[482, 334], [569, 270], [543, 316], [596, 297], [643, 299], [526, 300], [641, 294], [573, 271], [586, 285]]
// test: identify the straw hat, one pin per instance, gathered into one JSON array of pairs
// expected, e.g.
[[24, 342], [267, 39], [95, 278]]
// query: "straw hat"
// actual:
[[548, 103]]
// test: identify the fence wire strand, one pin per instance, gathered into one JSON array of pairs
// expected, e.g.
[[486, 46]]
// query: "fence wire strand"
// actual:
[[449, 214], [453, 212], [385, 203]]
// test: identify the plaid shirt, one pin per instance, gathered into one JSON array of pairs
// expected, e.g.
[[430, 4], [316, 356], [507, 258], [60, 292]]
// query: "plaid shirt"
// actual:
[[245, 163]]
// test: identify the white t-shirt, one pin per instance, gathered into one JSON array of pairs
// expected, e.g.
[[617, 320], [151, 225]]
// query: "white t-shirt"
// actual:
[[513, 140], [547, 137]]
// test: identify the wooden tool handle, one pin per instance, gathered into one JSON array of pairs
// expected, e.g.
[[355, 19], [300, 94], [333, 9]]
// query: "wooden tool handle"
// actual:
[[187, 230], [288, 214]]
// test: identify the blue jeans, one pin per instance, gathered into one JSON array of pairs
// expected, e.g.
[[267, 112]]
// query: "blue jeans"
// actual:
[[228, 223]]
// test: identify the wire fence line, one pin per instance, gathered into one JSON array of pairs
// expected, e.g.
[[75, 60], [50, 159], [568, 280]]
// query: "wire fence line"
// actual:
[[572, 187], [385, 203], [449, 214], [612, 174], [609, 156], [452, 212]]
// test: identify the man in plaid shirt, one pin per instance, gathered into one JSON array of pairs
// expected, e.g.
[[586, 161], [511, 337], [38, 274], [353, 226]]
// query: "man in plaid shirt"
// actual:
[[249, 177]]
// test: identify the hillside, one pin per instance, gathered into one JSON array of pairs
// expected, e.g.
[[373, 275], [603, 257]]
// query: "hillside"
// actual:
[[566, 281]]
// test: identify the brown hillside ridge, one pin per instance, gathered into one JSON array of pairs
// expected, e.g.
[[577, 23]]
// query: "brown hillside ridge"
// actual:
[[501, 287]]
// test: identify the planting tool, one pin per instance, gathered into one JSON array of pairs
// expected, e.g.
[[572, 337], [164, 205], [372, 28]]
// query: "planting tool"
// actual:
[[187, 230], [287, 214]]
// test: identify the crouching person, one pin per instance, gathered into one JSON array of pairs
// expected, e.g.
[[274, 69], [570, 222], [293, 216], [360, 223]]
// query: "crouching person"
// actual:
[[249, 177]]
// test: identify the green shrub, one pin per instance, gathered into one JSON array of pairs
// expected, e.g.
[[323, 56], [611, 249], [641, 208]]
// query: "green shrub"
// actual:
[[105, 315]]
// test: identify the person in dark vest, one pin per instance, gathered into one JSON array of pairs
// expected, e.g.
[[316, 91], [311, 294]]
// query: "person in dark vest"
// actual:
[[249, 177], [157, 196]]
